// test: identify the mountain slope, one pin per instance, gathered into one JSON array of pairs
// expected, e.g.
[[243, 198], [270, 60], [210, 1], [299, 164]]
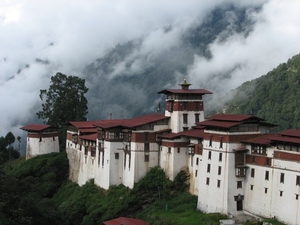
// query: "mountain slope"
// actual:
[[126, 80], [274, 96]]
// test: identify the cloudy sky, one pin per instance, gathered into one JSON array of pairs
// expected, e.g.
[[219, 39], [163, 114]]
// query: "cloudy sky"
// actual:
[[66, 35]]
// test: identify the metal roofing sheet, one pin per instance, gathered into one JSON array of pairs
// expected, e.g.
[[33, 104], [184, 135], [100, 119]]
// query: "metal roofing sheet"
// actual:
[[183, 91], [230, 117], [35, 127], [90, 137], [291, 133], [125, 221], [223, 124]]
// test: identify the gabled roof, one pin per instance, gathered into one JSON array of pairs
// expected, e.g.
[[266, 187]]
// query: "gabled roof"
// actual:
[[196, 133], [231, 120], [261, 140], [291, 133], [90, 137], [36, 127], [188, 91], [83, 124], [232, 117], [142, 120], [130, 123], [125, 221], [223, 124]]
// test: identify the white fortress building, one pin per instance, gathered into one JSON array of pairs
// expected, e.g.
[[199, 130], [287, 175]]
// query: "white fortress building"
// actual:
[[41, 139], [235, 165]]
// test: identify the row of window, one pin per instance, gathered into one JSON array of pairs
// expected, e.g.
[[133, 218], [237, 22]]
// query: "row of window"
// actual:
[[281, 178], [219, 169], [266, 191], [208, 181]]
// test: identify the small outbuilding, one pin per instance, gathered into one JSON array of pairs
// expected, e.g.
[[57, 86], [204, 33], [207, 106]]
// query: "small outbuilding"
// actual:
[[41, 139]]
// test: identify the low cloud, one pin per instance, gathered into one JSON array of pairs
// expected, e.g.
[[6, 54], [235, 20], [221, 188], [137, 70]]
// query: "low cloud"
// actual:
[[40, 38]]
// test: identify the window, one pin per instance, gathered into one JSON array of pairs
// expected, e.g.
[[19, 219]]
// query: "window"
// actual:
[[218, 183], [207, 180], [146, 159], [297, 196], [209, 155], [267, 175], [146, 147], [146, 136], [208, 168], [197, 118], [197, 161], [282, 178], [252, 172], [170, 106], [251, 187], [280, 193], [239, 184], [253, 159], [266, 190], [220, 157], [185, 118], [196, 173], [221, 142], [178, 150], [219, 170], [268, 161], [210, 141], [298, 180], [169, 150], [185, 106], [196, 106], [116, 155]]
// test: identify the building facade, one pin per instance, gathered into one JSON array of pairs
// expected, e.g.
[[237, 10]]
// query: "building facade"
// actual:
[[235, 165]]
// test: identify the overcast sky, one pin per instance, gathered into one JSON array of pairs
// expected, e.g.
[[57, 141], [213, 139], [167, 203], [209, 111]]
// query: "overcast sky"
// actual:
[[66, 35]]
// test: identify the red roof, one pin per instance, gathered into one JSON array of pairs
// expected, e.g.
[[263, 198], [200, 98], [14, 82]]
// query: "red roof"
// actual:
[[90, 137], [185, 91], [291, 133], [197, 133], [261, 140], [125, 221], [35, 127], [230, 117], [285, 139], [130, 123], [88, 130], [223, 124], [83, 124]]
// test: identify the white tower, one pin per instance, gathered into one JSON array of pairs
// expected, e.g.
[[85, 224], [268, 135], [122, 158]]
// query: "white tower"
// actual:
[[184, 106]]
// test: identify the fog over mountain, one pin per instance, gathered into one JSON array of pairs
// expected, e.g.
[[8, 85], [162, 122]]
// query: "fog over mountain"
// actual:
[[128, 50]]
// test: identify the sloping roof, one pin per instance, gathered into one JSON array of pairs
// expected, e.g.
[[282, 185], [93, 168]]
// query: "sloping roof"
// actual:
[[286, 139], [138, 121], [196, 133], [231, 117], [291, 133], [125, 221], [88, 130], [83, 124], [183, 91], [90, 137], [261, 140], [224, 124], [130, 123], [35, 127]]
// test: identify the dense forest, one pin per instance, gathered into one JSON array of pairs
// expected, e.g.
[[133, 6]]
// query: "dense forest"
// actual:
[[37, 191], [274, 96]]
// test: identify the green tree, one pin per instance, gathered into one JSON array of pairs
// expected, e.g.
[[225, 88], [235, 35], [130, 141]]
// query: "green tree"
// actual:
[[64, 100]]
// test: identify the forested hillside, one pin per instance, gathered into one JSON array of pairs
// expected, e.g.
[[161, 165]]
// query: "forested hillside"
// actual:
[[274, 96]]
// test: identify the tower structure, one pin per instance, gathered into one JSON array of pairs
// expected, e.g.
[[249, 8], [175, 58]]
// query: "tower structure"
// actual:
[[184, 106], [41, 139]]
